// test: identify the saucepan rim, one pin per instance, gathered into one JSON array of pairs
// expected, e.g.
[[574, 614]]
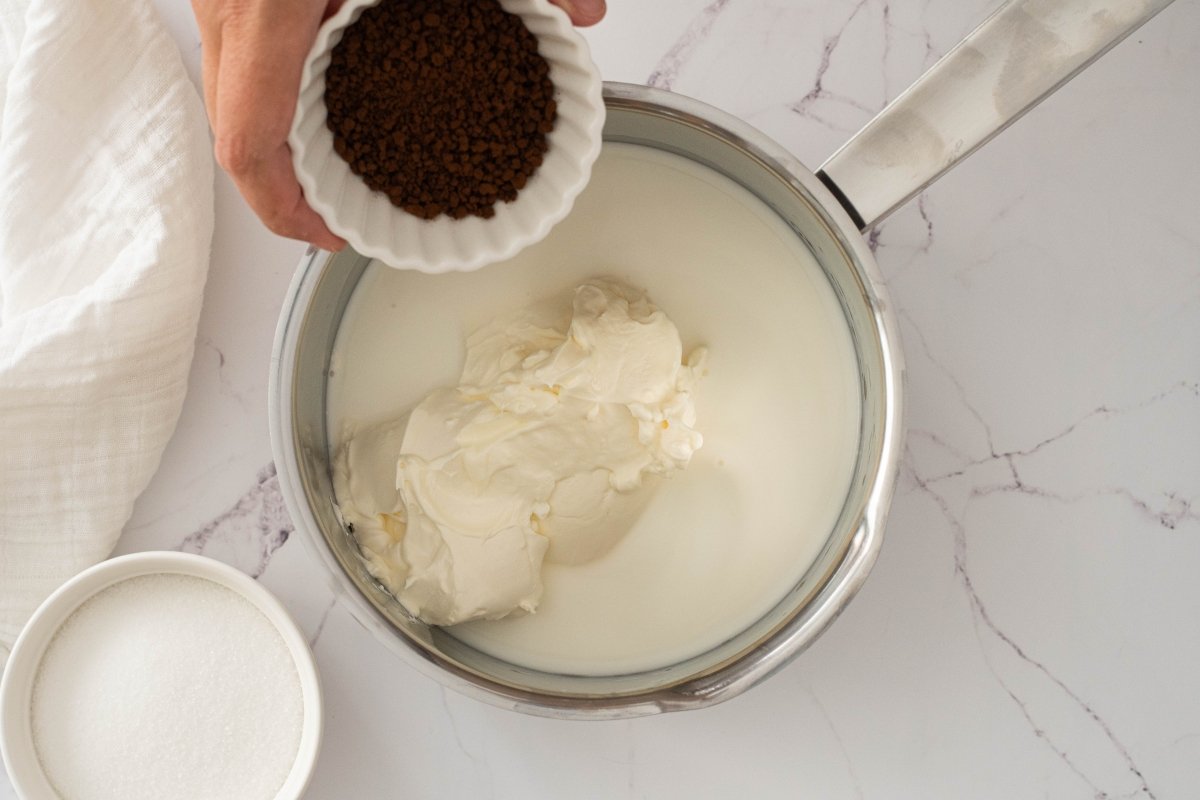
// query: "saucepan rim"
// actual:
[[771, 651]]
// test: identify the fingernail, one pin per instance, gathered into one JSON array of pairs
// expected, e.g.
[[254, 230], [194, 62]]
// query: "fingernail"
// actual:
[[585, 12]]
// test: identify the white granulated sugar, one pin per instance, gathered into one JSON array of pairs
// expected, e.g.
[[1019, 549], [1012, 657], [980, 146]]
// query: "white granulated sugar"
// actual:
[[167, 686]]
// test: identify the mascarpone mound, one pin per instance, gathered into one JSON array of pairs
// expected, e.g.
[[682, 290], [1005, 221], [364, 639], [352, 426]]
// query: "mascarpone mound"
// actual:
[[541, 452]]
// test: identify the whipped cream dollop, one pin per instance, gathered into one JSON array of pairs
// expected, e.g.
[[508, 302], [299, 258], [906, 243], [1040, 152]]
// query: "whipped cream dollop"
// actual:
[[542, 451]]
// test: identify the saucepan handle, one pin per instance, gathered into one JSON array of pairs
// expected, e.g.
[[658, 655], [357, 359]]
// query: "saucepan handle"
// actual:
[[1006, 66]]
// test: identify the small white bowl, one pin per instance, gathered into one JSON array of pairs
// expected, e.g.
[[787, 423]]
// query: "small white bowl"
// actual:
[[374, 227], [16, 689]]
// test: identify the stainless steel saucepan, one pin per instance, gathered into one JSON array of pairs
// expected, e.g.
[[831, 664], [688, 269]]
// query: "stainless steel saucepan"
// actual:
[[1009, 63]]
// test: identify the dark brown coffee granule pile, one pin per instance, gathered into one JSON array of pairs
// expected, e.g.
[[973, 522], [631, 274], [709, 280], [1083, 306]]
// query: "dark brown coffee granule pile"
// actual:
[[442, 105]]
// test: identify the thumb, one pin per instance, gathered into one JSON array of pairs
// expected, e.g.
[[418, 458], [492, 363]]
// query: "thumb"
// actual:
[[583, 12]]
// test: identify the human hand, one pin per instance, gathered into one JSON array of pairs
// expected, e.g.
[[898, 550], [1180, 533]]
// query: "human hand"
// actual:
[[253, 52]]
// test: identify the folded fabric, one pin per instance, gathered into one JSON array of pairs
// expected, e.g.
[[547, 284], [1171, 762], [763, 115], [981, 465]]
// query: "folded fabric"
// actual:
[[105, 226]]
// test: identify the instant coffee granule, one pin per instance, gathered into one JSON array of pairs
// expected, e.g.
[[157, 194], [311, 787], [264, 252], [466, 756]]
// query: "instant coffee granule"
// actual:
[[442, 105]]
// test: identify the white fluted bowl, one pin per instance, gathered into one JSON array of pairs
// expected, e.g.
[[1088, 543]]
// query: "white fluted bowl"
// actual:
[[374, 227]]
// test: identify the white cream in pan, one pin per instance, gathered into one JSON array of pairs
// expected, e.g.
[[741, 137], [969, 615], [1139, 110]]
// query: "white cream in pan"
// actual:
[[714, 545], [542, 451]]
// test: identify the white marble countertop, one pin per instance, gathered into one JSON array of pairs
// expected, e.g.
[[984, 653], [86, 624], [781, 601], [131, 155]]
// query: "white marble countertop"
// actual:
[[1032, 627]]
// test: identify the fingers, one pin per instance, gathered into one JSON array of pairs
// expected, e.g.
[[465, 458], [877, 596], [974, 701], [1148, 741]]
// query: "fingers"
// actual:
[[332, 8], [253, 55], [583, 12], [268, 182], [251, 81]]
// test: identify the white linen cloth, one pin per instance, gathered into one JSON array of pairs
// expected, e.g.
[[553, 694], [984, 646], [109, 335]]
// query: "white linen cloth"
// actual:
[[106, 215]]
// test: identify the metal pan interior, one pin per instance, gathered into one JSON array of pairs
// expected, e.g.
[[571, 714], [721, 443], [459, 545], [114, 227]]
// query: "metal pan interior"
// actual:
[[674, 124]]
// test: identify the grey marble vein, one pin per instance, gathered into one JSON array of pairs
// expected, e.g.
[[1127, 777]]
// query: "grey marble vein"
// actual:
[[227, 386], [983, 617], [316, 635], [631, 757], [804, 106], [841, 744], [480, 763], [250, 532], [667, 70], [877, 241], [1177, 511]]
